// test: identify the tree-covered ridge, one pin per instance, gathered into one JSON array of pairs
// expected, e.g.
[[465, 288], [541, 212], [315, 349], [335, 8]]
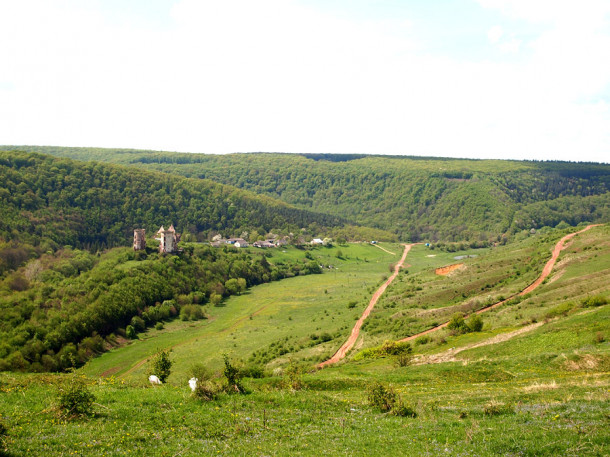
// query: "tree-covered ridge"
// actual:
[[64, 307], [416, 198], [59, 201]]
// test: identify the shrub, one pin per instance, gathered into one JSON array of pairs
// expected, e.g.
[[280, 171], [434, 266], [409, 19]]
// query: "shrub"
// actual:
[[191, 312], [215, 299], [74, 399], [252, 371], [597, 300], [425, 339], [233, 377], [351, 305], [130, 332], [381, 397], [293, 377], [161, 365], [559, 310], [403, 360], [138, 323], [159, 326], [402, 410], [208, 386], [395, 348], [457, 323], [475, 323], [207, 390], [599, 338]]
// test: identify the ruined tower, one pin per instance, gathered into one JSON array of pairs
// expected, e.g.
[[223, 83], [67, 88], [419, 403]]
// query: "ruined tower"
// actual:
[[139, 239], [168, 239]]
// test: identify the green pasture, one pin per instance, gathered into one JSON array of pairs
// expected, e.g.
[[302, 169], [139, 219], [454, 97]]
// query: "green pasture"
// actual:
[[506, 399], [290, 311]]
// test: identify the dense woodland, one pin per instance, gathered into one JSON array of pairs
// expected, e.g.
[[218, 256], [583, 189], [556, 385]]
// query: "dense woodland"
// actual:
[[49, 202], [415, 198], [67, 306]]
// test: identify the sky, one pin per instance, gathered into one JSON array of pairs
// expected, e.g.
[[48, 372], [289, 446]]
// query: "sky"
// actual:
[[505, 79]]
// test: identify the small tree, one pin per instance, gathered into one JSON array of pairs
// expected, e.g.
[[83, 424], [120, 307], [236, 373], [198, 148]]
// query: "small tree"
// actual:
[[161, 365], [232, 374]]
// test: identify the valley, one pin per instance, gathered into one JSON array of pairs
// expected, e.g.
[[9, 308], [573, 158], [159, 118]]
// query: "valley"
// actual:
[[484, 339]]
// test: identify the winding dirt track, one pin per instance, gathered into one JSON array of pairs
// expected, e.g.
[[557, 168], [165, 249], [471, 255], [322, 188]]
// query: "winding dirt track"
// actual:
[[546, 271], [343, 350]]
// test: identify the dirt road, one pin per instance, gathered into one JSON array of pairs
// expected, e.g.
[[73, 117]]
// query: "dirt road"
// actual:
[[343, 350], [546, 271]]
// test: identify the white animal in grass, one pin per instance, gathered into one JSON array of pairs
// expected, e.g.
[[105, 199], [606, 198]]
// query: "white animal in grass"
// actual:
[[154, 380], [193, 383]]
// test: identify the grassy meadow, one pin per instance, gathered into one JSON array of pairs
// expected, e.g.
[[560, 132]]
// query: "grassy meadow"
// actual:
[[534, 382]]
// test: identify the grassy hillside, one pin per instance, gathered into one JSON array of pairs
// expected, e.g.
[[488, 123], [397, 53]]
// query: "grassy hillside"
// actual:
[[534, 381], [417, 198]]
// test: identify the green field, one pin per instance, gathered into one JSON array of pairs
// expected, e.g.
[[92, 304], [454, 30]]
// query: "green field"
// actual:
[[543, 391], [268, 313]]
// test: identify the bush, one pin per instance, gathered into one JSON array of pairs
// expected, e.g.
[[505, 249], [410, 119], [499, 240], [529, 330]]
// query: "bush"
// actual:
[[159, 326], [293, 377], [138, 323], [233, 377], [215, 299], [597, 300], [395, 348], [75, 400], [402, 410], [403, 360], [161, 365], [457, 323], [207, 390], [559, 310], [191, 312], [130, 332], [475, 323], [381, 397], [425, 339]]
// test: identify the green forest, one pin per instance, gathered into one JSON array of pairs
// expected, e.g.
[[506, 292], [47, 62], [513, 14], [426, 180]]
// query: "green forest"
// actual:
[[67, 306], [92, 205], [415, 198]]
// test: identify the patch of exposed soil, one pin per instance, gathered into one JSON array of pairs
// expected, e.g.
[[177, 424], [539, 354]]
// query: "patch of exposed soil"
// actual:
[[449, 268]]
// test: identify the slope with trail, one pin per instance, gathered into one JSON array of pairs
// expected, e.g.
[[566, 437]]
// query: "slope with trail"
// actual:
[[546, 271], [349, 344]]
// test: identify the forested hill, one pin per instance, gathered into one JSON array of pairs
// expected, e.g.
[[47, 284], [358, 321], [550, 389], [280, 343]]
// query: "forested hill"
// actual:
[[417, 198], [59, 201]]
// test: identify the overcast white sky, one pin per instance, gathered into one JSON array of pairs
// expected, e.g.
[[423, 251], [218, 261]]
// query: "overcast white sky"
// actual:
[[521, 79]]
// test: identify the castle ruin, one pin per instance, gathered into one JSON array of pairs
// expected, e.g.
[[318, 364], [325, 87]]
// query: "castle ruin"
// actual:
[[168, 240], [139, 239]]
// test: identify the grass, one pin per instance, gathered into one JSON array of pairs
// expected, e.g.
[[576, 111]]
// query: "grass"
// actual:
[[544, 392], [266, 314]]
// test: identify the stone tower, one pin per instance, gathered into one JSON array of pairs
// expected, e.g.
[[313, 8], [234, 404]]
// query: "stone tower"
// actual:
[[139, 239]]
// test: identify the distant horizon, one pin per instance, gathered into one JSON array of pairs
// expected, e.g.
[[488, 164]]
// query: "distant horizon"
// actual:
[[406, 156]]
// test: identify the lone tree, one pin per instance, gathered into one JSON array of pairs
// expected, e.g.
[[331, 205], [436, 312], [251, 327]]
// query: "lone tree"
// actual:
[[161, 365]]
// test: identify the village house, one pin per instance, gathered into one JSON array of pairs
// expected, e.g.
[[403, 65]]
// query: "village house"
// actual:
[[237, 242], [316, 241], [264, 244]]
